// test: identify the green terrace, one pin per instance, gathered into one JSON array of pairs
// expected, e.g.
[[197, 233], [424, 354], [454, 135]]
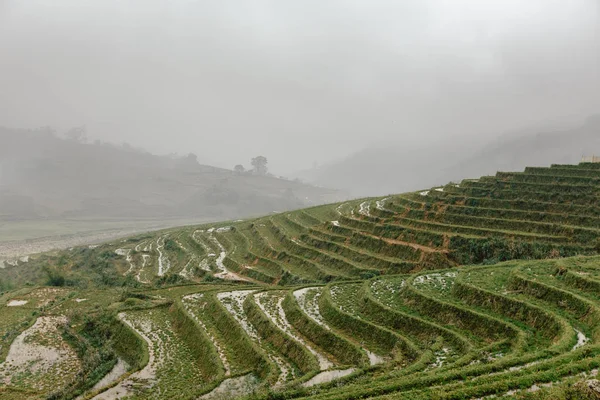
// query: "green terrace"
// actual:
[[479, 289]]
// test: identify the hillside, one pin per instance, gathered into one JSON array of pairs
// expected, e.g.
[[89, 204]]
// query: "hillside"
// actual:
[[368, 171], [485, 288], [46, 177]]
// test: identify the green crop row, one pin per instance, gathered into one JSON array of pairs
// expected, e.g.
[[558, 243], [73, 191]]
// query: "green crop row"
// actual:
[[494, 184], [522, 215], [520, 204], [579, 282], [374, 264], [410, 325], [556, 196], [576, 306], [547, 324], [344, 351], [245, 352], [374, 337], [203, 351], [560, 171], [459, 316], [525, 177], [295, 352]]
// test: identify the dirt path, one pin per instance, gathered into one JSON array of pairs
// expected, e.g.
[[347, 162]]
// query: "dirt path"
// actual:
[[415, 246]]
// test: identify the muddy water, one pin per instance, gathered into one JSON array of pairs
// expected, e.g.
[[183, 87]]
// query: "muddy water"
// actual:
[[40, 358], [374, 359], [233, 302], [233, 387], [117, 372], [195, 300], [311, 306], [148, 373], [380, 204], [582, 340], [225, 273], [163, 262], [17, 303], [364, 208], [128, 257], [145, 258], [278, 317], [328, 376]]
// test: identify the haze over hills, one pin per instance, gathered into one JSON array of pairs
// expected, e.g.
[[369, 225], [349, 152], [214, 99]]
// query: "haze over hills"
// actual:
[[394, 168], [43, 176]]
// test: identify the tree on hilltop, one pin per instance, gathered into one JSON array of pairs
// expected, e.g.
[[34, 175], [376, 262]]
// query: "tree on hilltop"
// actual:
[[78, 134], [259, 165]]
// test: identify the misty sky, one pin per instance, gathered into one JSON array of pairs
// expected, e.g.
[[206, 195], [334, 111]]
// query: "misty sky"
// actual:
[[298, 81]]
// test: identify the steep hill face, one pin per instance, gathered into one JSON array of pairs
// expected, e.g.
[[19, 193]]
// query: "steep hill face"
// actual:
[[398, 168], [536, 214], [486, 288], [42, 176]]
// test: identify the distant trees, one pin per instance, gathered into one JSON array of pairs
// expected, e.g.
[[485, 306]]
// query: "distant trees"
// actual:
[[77, 134], [192, 158], [239, 169], [190, 161], [259, 165]]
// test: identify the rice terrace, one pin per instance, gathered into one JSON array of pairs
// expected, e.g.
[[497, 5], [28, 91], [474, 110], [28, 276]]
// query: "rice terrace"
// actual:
[[487, 288]]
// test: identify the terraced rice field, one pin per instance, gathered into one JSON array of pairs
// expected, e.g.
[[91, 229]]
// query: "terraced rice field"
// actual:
[[487, 288]]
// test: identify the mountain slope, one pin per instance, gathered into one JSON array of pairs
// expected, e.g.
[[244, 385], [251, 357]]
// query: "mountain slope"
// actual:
[[42, 176], [396, 168], [487, 288]]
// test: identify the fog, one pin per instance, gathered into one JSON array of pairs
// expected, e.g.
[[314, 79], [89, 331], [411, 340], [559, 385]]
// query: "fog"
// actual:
[[301, 82]]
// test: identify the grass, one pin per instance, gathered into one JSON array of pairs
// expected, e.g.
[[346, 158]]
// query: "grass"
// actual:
[[465, 291]]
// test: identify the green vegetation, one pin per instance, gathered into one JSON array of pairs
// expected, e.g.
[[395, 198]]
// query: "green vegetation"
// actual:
[[486, 288]]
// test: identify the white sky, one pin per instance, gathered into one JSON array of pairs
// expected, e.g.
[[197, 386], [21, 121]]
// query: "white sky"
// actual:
[[296, 81]]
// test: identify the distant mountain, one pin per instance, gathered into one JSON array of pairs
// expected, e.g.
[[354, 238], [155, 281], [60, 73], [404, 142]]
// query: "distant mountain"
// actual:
[[44, 176], [564, 146], [396, 168]]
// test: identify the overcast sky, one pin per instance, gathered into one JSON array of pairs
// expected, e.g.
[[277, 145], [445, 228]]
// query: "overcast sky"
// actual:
[[299, 81]]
